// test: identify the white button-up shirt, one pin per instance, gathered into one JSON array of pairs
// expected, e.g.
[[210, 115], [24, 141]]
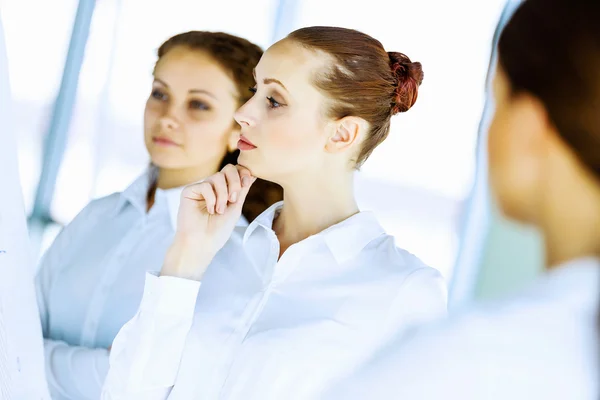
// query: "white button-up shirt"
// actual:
[[261, 328], [21, 353], [540, 344], [91, 282]]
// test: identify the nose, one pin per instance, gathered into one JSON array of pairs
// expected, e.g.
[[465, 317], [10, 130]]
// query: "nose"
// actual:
[[168, 123], [244, 117]]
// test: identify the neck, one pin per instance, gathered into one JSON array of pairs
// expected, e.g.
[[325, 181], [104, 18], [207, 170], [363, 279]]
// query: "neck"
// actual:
[[173, 178], [571, 224], [169, 178], [312, 206]]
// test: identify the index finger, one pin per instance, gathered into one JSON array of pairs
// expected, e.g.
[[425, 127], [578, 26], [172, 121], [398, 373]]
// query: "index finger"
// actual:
[[245, 175]]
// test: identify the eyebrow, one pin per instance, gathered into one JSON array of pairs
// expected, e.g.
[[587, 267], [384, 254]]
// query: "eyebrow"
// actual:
[[267, 81], [202, 91]]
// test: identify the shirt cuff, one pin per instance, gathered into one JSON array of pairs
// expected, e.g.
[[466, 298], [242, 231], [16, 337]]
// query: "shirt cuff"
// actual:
[[170, 295]]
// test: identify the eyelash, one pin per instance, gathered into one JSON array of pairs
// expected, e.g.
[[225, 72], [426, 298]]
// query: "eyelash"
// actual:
[[158, 95], [273, 104], [194, 104], [201, 105]]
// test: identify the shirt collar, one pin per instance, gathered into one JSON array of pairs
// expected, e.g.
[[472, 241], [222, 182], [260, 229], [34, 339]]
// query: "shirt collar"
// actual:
[[265, 220], [348, 238], [345, 239], [173, 197], [135, 194]]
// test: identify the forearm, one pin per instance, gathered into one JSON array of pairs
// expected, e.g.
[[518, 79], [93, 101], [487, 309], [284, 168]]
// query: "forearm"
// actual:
[[187, 259], [146, 353]]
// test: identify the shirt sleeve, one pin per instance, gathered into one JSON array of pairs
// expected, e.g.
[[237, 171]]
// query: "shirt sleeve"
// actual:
[[74, 372], [145, 355]]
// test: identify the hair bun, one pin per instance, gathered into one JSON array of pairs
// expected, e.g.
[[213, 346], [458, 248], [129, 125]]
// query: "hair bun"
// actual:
[[409, 76]]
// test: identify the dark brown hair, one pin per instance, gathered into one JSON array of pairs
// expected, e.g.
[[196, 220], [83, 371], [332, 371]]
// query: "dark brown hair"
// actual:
[[238, 57], [363, 80], [551, 49]]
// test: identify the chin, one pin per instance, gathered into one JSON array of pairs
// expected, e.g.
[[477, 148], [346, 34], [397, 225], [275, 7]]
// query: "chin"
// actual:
[[161, 161], [246, 162], [515, 200], [259, 167], [514, 210]]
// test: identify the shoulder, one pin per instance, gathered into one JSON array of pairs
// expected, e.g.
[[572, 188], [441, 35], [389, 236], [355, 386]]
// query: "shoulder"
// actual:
[[76, 231], [521, 348], [553, 309], [105, 203], [100, 205], [532, 320], [416, 293], [389, 259], [95, 209]]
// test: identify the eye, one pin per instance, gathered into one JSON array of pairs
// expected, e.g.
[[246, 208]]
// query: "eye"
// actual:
[[198, 105], [252, 90], [273, 103], [158, 95]]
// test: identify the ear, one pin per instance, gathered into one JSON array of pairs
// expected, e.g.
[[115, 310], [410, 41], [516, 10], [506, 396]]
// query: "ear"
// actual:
[[532, 128], [519, 156], [234, 137], [345, 132]]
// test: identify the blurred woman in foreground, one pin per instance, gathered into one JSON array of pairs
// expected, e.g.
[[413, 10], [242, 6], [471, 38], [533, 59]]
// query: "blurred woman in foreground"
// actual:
[[544, 166]]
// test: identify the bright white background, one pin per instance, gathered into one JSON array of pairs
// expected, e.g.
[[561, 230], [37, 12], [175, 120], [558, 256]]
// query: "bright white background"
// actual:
[[416, 182]]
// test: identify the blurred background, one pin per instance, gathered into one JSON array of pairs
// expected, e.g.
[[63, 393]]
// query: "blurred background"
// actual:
[[80, 72]]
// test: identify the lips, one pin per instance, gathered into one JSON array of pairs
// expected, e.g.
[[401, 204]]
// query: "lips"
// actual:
[[244, 144], [163, 141]]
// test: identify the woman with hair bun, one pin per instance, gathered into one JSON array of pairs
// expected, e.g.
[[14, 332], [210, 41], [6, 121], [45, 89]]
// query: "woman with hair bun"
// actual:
[[313, 285]]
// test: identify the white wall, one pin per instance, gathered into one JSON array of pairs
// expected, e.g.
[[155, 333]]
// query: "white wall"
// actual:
[[22, 369]]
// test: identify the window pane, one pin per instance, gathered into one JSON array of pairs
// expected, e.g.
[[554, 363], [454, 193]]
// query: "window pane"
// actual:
[[106, 149], [37, 47]]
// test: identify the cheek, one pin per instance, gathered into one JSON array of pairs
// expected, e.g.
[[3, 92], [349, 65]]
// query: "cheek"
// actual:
[[498, 159], [493, 150], [205, 138], [293, 136], [150, 120], [285, 139], [151, 116], [498, 145], [510, 175]]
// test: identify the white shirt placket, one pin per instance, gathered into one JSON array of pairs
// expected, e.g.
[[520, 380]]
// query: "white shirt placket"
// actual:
[[279, 271]]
